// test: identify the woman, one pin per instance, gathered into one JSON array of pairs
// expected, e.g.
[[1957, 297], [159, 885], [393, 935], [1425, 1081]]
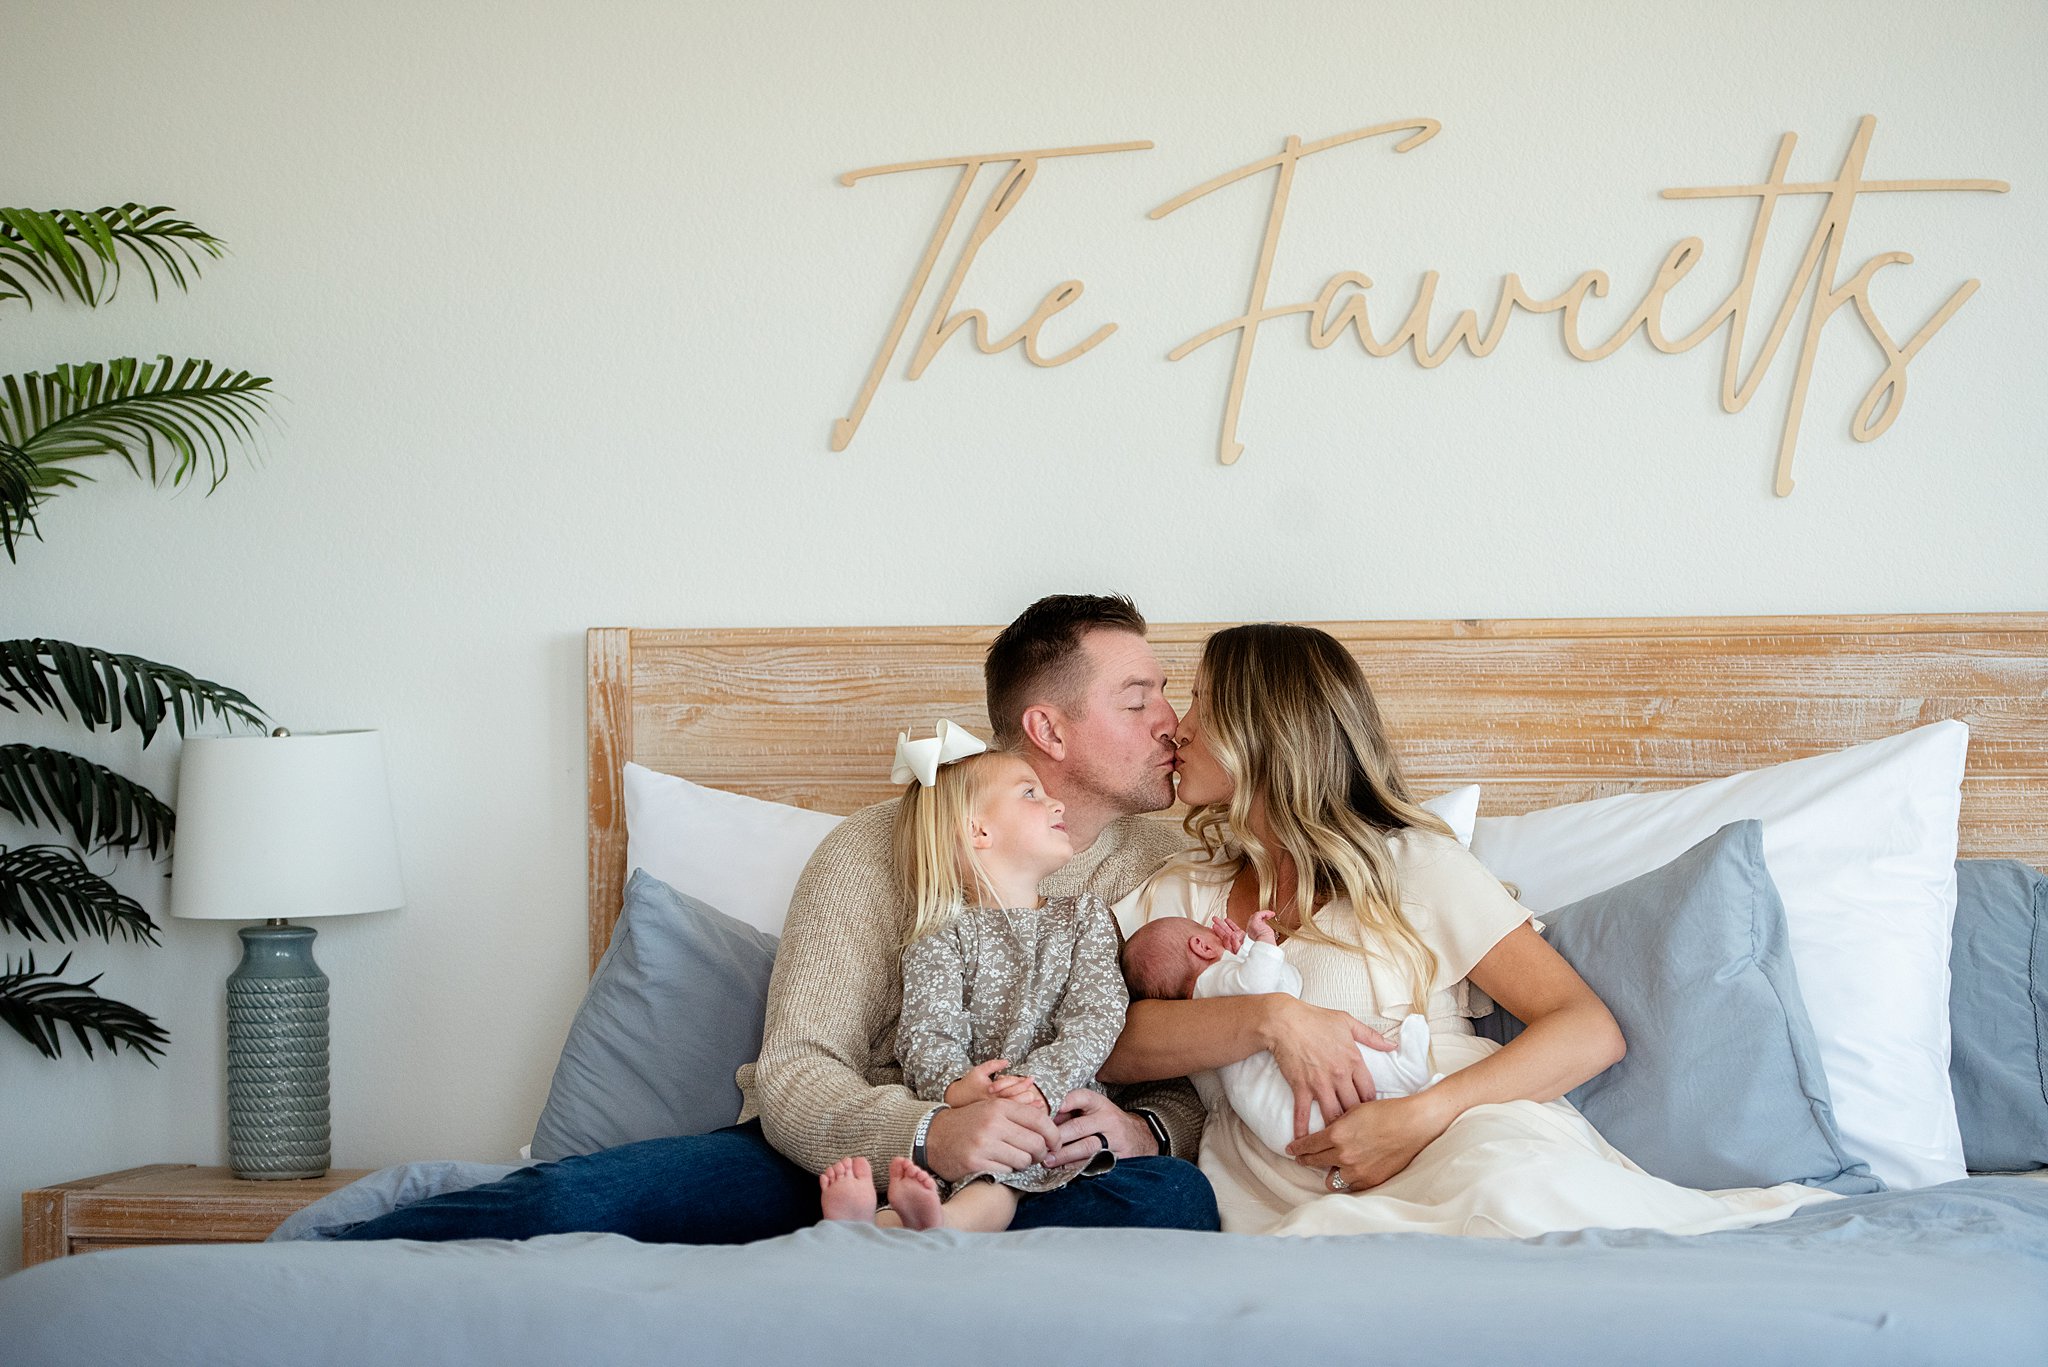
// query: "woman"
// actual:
[[1298, 805]]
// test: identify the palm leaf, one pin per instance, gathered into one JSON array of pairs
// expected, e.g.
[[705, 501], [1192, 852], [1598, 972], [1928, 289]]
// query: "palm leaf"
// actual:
[[39, 1005], [18, 496], [190, 411], [79, 253], [51, 885], [131, 409], [103, 686], [103, 809]]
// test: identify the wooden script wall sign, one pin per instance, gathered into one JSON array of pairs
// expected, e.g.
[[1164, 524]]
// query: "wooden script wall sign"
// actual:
[[1341, 307]]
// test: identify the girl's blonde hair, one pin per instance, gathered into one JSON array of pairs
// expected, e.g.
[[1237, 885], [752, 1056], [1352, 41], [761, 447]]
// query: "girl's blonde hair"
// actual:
[[935, 862], [1288, 714]]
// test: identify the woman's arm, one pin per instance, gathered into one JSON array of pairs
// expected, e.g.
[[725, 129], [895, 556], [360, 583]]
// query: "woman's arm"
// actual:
[[1571, 1037]]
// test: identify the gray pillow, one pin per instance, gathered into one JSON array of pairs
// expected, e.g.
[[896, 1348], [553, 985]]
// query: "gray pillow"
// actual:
[[1998, 1014], [1722, 1086], [673, 1011], [382, 1192]]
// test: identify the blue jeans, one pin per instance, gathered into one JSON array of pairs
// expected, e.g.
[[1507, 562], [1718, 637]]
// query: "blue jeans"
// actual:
[[732, 1187]]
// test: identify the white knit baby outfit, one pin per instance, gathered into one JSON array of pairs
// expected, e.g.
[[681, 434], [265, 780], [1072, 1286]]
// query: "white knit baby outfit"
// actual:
[[1257, 1090]]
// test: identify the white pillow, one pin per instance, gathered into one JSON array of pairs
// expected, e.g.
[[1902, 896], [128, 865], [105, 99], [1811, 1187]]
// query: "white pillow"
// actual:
[[1460, 808], [739, 854], [744, 856], [1862, 846]]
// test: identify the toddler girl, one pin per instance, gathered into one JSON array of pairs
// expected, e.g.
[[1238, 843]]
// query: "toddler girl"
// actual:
[[1005, 994]]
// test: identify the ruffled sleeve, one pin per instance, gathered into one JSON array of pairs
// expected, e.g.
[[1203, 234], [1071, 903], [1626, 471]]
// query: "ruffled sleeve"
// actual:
[[1460, 910]]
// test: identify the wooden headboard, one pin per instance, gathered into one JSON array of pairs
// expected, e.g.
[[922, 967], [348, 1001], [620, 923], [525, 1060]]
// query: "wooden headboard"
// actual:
[[1541, 712]]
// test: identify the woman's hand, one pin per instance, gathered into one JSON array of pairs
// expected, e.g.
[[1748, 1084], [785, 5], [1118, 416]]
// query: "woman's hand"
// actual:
[[1370, 1144], [1317, 1051]]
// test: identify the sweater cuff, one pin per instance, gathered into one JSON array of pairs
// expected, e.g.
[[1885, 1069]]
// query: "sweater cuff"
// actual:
[[1178, 1108]]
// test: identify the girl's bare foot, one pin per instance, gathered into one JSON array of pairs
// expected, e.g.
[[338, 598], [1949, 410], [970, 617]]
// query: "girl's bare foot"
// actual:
[[846, 1190], [914, 1196]]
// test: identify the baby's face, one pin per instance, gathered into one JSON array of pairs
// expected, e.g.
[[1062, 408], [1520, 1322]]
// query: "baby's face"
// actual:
[[1167, 955]]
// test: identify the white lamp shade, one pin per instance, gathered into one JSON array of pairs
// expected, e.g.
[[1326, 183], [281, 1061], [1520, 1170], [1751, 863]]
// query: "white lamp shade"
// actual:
[[284, 826]]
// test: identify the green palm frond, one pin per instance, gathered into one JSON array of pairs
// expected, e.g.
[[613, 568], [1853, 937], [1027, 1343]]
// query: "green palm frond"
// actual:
[[40, 1005], [103, 809], [51, 885], [186, 412], [103, 686], [78, 253], [18, 496]]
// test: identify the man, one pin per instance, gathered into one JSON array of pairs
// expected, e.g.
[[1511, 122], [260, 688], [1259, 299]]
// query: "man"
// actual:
[[1073, 687]]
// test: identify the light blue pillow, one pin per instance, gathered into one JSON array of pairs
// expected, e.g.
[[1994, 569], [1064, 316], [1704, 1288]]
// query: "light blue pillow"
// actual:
[[1998, 1014], [673, 1011], [1722, 1086], [380, 1193]]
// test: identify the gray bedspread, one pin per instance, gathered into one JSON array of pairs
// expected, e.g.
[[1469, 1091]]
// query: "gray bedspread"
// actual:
[[1953, 1274]]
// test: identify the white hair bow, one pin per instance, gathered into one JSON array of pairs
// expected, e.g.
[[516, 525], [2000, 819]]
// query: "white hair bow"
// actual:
[[920, 759]]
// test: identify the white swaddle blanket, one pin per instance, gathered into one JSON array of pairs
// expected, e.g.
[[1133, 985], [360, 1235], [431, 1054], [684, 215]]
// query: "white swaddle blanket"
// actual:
[[1257, 1091]]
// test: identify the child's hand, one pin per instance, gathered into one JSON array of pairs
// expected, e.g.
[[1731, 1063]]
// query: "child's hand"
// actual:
[[1261, 928], [1018, 1088], [1227, 931], [977, 1083]]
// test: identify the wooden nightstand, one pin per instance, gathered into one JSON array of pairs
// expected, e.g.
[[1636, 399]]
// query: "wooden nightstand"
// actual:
[[164, 1203]]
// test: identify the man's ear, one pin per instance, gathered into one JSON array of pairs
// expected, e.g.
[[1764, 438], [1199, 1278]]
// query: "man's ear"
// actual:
[[1045, 729]]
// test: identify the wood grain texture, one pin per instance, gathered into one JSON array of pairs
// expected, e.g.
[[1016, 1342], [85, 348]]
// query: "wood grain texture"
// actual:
[[163, 1203], [1542, 711], [609, 717]]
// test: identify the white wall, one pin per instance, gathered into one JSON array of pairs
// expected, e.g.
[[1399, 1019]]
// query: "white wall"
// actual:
[[563, 302]]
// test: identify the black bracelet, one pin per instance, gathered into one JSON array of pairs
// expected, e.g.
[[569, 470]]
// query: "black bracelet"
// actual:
[[924, 1128], [1158, 1128]]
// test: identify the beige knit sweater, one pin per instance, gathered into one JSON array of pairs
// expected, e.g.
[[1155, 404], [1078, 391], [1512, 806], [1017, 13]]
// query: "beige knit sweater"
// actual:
[[826, 1085]]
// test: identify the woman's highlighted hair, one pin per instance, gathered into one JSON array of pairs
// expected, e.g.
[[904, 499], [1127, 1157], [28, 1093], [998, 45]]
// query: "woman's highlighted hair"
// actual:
[[1291, 719]]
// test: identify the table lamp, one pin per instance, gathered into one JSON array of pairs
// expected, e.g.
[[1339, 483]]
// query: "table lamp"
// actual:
[[272, 828]]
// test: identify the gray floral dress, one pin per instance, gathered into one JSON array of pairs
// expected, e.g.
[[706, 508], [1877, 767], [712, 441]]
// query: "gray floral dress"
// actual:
[[1039, 988]]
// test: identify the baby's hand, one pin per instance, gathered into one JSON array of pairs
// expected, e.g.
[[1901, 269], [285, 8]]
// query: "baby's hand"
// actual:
[[978, 1083], [1226, 930], [1261, 929]]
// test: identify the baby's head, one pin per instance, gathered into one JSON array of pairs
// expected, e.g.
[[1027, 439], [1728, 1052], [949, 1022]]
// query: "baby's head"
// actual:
[[1163, 958]]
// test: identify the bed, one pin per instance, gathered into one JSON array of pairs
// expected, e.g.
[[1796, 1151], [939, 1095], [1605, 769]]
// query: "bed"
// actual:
[[1543, 713]]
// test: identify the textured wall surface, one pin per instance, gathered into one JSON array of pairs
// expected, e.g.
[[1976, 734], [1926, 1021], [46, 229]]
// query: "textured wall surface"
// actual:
[[563, 306]]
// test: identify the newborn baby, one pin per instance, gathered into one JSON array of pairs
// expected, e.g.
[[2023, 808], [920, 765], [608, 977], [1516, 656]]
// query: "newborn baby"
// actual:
[[1176, 958]]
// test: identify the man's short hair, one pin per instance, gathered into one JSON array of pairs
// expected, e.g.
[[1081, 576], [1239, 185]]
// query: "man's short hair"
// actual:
[[1037, 659]]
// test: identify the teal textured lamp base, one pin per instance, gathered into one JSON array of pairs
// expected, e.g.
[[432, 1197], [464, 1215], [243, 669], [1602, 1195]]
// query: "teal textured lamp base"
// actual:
[[277, 1057]]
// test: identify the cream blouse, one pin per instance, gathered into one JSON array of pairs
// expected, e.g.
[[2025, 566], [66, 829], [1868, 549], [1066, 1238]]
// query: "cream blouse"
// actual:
[[1458, 909]]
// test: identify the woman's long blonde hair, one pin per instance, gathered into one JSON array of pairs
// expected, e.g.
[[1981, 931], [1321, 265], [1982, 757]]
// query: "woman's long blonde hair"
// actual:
[[935, 863], [1289, 716]]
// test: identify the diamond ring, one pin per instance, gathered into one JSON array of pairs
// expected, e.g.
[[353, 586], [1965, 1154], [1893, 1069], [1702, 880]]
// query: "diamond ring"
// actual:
[[1335, 1181]]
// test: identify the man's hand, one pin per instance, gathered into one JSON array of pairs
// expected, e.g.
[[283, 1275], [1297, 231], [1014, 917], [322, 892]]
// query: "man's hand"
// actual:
[[1317, 1051], [1372, 1143], [988, 1136], [1088, 1120]]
